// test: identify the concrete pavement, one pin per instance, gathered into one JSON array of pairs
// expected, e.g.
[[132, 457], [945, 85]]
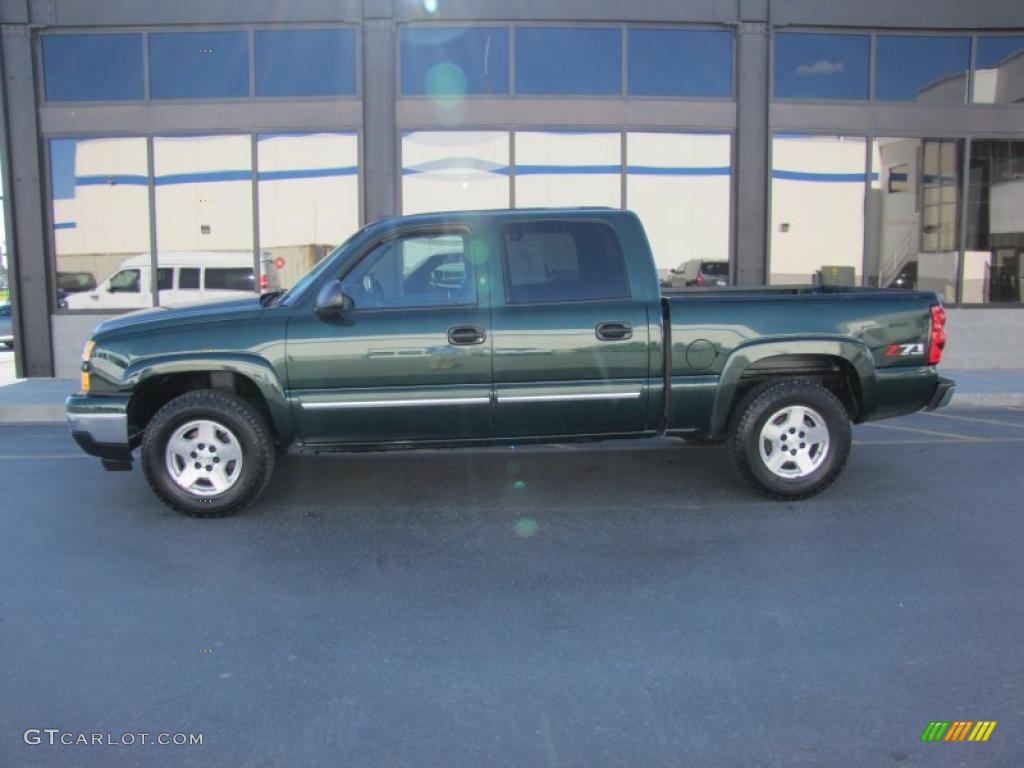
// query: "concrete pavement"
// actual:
[[620, 604]]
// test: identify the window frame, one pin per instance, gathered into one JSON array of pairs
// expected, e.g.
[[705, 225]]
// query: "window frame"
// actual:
[[462, 230], [147, 29], [840, 31], [503, 226], [730, 97]]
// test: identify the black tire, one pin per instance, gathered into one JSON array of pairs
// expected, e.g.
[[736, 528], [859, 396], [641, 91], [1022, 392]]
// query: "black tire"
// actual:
[[752, 415], [245, 424]]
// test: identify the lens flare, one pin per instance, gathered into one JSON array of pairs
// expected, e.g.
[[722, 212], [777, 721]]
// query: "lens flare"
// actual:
[[446, 84], [525, 527]]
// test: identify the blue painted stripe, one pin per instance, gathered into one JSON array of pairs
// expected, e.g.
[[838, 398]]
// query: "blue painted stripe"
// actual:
[[99, 180], [581, 170], [202, 177], [821, 177], [308, 173], [657, 170], [65, 225]]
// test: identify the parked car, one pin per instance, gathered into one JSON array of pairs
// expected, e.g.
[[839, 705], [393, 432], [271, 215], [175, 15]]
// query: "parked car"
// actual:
[[500, 327], [182, 277], [698, 273], [6, 326]]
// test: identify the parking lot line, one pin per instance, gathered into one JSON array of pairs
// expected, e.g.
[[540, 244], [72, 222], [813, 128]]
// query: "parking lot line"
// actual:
[[966, 438], [974, 419], [12, 456], [974, 441]]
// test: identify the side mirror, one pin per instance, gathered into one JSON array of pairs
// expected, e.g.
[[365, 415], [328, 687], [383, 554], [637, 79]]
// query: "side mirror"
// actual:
[[333, 302]]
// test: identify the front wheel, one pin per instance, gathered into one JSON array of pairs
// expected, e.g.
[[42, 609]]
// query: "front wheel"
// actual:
[[207, 453], [791, 439]]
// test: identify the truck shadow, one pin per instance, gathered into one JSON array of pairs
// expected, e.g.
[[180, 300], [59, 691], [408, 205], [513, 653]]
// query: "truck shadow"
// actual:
[[554, 478]]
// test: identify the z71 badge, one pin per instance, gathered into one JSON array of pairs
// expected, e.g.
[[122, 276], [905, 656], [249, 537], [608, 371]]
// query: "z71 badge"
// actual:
[[904, 350]]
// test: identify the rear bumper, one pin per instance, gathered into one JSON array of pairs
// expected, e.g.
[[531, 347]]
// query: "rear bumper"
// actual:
[[100, 427], [943, 394]]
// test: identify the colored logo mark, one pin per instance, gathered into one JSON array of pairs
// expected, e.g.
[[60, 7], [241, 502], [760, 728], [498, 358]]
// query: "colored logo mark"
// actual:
[[958, 730]]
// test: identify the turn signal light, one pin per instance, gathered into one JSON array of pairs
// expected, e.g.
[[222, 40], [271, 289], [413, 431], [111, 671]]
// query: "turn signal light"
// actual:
[[938, 336]]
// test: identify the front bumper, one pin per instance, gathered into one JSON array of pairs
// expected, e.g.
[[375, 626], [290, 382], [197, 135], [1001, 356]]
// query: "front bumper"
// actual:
[[943, 394], [100, 427]]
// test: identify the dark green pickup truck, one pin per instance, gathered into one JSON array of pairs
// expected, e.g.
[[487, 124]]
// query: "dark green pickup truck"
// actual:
[[497, 327]]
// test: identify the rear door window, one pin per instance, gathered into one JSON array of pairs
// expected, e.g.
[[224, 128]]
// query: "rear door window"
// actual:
[[716, 268], [188, 277], [562, 261], [229, 279], [165, 278]]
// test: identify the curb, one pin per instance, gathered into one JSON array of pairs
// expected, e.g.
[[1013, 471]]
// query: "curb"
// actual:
[[31, 414], [987, 399]]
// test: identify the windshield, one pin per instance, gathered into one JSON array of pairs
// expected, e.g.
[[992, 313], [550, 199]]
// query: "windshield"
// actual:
[[316, 271]]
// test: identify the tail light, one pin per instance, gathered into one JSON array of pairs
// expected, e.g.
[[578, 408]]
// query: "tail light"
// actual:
[[937, 342], [264, 282], [700, 280]]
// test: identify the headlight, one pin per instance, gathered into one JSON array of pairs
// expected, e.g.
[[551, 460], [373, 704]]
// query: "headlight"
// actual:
[[90, 345]]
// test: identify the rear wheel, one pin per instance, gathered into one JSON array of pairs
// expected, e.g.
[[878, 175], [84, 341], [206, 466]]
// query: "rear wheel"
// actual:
[[208, 453], [791, 439]]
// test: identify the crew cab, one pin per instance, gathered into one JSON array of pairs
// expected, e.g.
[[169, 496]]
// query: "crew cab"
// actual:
[[500, 327]]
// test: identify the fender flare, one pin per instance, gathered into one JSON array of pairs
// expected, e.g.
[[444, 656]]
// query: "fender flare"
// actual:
[[853, 352], [258, 370]]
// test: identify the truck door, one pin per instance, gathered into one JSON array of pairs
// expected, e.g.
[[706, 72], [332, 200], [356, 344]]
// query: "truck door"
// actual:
[[413, 362], [570, 342]]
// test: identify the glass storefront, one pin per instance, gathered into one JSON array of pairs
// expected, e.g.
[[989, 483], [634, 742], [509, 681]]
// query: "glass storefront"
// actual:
[[679, 185], [454, 170], [817, 206], [100, 214], [308, 201], [204, 208], [994, 251], [913, 231], [567, 168]]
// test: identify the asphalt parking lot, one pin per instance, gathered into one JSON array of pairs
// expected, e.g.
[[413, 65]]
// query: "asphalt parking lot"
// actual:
[[606, 605]]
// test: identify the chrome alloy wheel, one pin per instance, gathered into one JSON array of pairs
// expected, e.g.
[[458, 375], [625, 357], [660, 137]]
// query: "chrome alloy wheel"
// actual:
[[203, 457], [794, 442]]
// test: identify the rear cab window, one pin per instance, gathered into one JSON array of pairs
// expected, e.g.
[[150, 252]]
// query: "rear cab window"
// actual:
[[562, 261]]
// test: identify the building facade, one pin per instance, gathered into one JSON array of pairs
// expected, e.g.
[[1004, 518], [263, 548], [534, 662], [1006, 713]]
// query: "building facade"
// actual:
[[152, 149]]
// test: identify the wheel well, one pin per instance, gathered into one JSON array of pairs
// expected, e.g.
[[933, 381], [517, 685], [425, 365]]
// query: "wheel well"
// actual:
[[834, 373], [151, 395]]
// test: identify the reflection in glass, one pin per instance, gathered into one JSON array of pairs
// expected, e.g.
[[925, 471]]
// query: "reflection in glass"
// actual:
[[305, 62], [921, 68], [994, 254], [568, 169], [678, 183], [821, 66], [817, 232], [198, 65], [564, 60], [308, 200], [204, 215], [92, 67], [100, 221], [450, 62], [999, 70], [454, 170], [680, 62], [913, 214]]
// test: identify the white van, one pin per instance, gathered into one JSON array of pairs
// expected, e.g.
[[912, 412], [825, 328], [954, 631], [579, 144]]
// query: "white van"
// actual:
[[181, 277]]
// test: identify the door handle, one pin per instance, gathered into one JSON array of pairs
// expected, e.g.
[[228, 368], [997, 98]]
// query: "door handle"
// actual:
[[466, 335], [614, 331]]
